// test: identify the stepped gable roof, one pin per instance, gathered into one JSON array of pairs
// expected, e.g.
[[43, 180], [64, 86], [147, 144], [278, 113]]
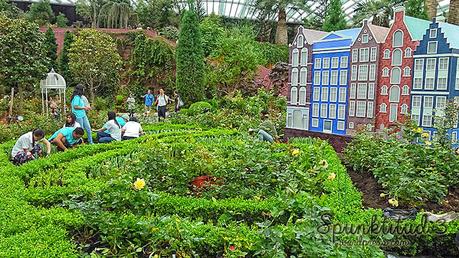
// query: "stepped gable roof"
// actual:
[[416, 27], [451, 33]]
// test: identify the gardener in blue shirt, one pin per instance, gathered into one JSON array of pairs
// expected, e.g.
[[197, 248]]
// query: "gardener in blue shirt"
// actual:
[[79, 108], [67, 137], [149, 100]]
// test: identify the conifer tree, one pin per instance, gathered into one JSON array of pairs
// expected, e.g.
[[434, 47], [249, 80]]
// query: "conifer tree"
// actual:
[[63, 66], [334, 17], [51, 48]]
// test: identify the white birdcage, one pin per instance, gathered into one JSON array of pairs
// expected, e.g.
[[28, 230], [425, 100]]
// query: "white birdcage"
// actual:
[[53, 82]]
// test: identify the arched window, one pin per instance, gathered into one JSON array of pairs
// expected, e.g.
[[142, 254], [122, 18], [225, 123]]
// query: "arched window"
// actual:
[[405, 90], [293, 95], [294, 76], [304, 56], [397, 57], [384, 90], [385, 72], [394, 94], [302, 97], [386, 54], [303, 76], [408, 52], [406, 71], [383, 108], [404, 109], [300, 41], [397, 39], [395, 75], [295, 57]]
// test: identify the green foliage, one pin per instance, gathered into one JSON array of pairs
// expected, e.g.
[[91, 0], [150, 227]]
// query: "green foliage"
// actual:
[[95, 62], [169, 32], [380, 12], [61, 20], [446, 120], [152, 62], [63, 67], [273, 53], [41, 13], [334, 18], [115, 13], [9, 10], [190, 60], [200, 107], [31, 122], [23, 53], [157, 14], [51, 48], [417, 9], [212, 32]]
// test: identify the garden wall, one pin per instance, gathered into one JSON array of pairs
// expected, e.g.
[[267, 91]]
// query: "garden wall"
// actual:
[[338, 142]]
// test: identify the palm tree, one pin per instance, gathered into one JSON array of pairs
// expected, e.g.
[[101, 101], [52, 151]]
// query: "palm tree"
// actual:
[[379, 11], [453, 15], [269, 8]]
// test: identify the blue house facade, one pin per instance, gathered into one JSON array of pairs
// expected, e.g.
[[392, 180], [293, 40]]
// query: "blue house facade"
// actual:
[[435, 76], [330, 82]]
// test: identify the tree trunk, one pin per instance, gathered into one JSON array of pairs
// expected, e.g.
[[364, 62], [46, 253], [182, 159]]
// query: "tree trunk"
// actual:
[[453, 15], [281, 32], [431, 7]]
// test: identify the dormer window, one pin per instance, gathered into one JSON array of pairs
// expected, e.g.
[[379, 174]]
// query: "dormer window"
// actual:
[[433, 33], [432, 47], [365, 38]]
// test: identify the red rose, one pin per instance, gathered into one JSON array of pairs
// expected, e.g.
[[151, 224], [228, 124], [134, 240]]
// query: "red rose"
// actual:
[[232, 248]]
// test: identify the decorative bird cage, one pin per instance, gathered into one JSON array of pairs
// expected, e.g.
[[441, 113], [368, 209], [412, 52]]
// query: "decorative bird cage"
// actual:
[[53, 82]]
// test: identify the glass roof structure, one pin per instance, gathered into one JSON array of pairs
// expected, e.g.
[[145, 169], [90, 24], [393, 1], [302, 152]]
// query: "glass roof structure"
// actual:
[[244, 9]]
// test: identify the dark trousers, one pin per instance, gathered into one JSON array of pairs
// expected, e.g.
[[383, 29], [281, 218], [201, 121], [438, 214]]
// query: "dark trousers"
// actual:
[[161, 112], [128, 138], [103, 137]]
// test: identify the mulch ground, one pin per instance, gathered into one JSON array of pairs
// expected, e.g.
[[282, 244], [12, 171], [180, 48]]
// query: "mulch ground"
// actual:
[[371, 189]]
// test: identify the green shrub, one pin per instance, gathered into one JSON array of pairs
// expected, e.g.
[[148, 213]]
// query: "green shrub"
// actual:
[[199, 108]]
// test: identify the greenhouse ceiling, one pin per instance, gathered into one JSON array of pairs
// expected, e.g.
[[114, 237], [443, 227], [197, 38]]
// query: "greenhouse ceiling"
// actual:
[[244, 9]]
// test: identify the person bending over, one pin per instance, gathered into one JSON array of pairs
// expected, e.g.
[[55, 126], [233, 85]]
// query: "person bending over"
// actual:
[[113, 129], [67, 137], [27, 148], [132, 129], [267, 131]]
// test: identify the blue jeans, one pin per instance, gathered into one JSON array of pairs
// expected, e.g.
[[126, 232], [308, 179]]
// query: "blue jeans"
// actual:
[[103, 137], [264, 136], [84, 122]]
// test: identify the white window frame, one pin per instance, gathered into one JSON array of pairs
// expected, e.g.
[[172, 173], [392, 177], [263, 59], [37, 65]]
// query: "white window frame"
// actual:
[[384, 90], [406, 71], [453, 137], [344, 60], [323, 110], [340, 125], [335, 62], [371, 90], [316, 94], [394, 38], [331, 126], [361, 109], [394, 55], [294, 95], [427, 120], [326, 63], [416, 101], [317, 78], [342, 94], [294, 77], [383, 108], [394, 94], [385, 72], [352, 108], [355, 55], [405, 90], [372, 72], [317, 63], [324, 94], [325, 77], [362, 91], [370, 109], [433, 33], [303, 76], [315, 122], [386, 54], [304, 57], [408, 52], [354, 73], [333, 94], [428, 47], [332, 111], [365, 38], [351, 125], [392, 78], [302, 96], [373, 54], [353, 91], [334, 77], [364, 54], [404, 109], [343, 77], [295, 57], [342, 111], [363, 72], [315, 110]]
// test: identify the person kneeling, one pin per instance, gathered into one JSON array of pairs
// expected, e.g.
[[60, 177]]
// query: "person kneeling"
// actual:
[[267, 130], [67, 137], [111, 131], [132, 129], [26, 147]]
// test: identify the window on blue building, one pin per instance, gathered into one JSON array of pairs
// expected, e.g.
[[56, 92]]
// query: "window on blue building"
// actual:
[[317, 63], [324, 96], [334, 77], [427, 120], [332, 111], [343, 77], [325, 78], [315, 122], [315, 110], [317, 78], [440, 102], [397, 39], [416, 119], [341, 111], [334, 62], [333, 94], [432, 47], [342, 94], [316, 95], [433, 33], [326, 63], [323, 110], [416, 101], [340, 125], [344, 61], [454, 137], [328, 126]]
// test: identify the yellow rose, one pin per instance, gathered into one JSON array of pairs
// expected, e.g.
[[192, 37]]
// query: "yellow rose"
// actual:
[[382, 195], [425, 135], [428, 143], [332, 176], [418, 130], [324, 164], [393, 202], [139, 184], [295, 152]]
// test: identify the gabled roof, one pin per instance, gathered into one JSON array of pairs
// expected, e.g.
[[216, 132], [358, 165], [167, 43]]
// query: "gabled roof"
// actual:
[[416, 27], [349, 33], [313, 35], [379, 33], [451, 33]]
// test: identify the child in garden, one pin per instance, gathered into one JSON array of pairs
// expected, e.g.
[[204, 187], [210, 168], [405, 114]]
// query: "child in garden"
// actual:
[[70, 121], [267, 131], [113, 128], [132, 129], [27, 148], [131, 105], [149, 100], [67, 137]]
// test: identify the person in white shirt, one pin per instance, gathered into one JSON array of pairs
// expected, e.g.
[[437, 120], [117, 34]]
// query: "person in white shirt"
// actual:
[[113, 129], [132, 129], [70, 121], [27, 148], [162, 100]]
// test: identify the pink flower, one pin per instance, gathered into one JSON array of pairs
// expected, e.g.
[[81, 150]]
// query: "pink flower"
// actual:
[[232, 248]]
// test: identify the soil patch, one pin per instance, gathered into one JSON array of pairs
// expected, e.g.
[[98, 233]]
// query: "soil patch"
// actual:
[[371, 190]]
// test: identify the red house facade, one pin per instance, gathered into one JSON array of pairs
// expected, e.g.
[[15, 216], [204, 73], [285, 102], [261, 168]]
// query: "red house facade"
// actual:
[[395, 68]]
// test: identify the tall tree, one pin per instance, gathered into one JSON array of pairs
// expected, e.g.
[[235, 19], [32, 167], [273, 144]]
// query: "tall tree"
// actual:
[[41, 12], [419, 9], [453, 14], [190, 59], [95, 62], [268, 9], [334, 17], [379, 11], [61, 20], [90, 10], [63, 66], [9, 10], [23, 55], [116, 13], [157, 13], [51, 48]]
